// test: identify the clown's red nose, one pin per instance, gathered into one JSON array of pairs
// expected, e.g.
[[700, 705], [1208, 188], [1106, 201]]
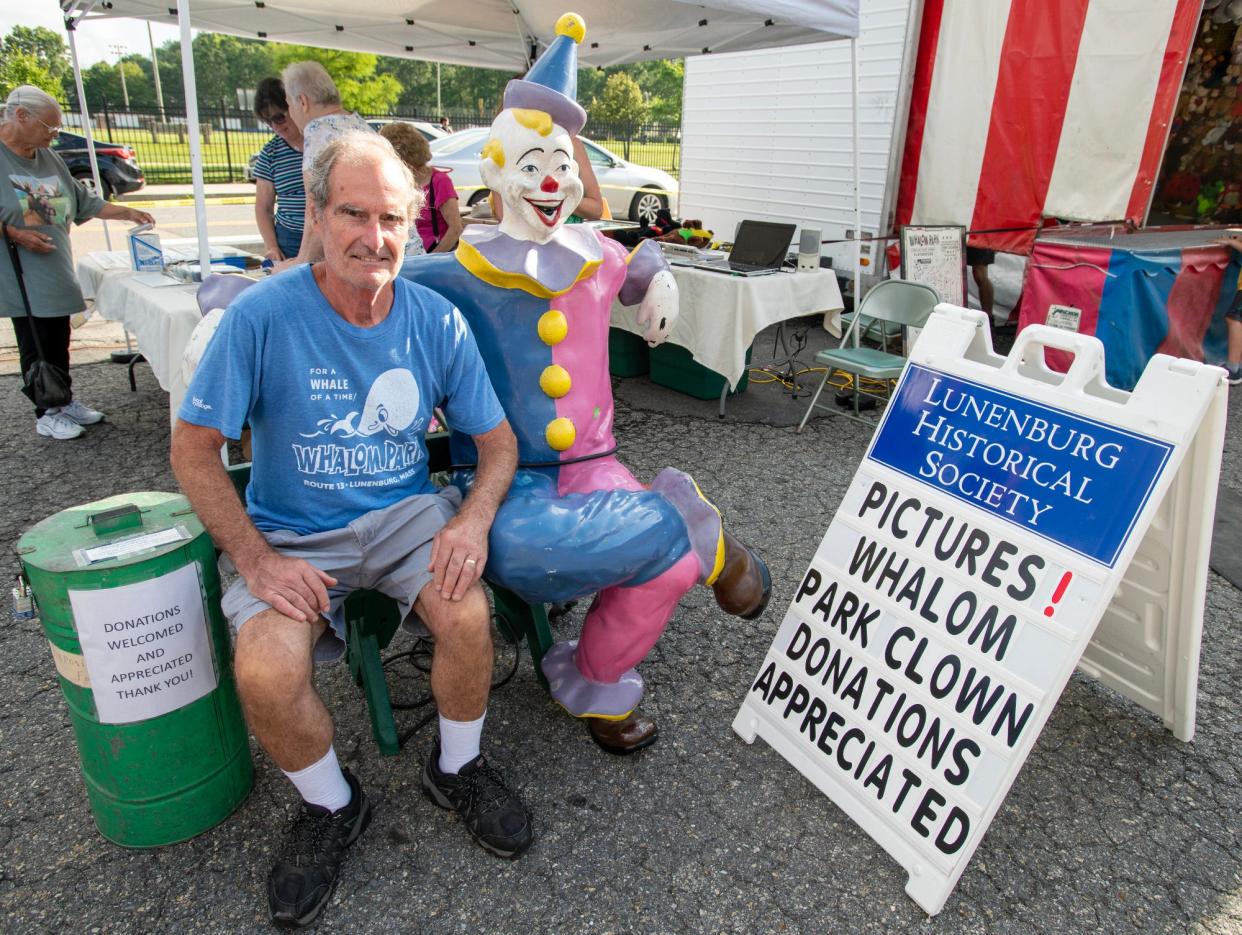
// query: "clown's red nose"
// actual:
[[549, 184]]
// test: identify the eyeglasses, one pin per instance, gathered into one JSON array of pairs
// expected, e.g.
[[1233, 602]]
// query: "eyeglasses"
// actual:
[[276, 119], [55, 131]]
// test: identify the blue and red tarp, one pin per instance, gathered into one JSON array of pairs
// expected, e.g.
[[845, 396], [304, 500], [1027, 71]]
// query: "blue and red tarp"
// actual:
[[1140, 293]]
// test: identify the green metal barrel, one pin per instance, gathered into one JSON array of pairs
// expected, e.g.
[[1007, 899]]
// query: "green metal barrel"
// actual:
[[129, 595]]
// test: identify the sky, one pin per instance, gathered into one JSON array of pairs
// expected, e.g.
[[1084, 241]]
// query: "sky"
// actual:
[[94, 37]]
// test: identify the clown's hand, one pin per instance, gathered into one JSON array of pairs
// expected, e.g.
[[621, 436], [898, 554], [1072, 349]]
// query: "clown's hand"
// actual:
[[659, 307]]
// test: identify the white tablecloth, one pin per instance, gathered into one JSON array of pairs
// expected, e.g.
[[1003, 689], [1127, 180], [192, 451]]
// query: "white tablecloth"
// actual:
[[161, 319], [720, 314]]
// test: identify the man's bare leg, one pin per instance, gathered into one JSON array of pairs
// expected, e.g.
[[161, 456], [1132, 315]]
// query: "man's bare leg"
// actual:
[[461, 676], [273, 661], [461, 670]]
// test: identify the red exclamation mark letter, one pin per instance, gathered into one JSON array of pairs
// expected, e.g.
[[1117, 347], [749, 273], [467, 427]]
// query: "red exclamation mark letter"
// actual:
[[1058, 593]]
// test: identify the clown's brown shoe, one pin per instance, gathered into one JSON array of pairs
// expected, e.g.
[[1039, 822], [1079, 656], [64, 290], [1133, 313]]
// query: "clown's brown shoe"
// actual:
[[744, 584], [624, 736]]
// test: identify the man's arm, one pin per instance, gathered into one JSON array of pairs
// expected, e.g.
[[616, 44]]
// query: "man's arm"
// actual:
[[291, 586], [459, 550]]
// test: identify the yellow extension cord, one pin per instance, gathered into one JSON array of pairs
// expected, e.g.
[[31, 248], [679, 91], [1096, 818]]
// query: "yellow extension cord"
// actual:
[[847, 379]]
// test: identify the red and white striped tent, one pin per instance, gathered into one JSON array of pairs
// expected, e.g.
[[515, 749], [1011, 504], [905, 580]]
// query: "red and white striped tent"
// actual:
[[1030, 109]]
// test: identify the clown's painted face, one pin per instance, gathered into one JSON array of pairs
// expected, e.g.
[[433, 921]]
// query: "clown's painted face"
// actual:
[[529, 163]]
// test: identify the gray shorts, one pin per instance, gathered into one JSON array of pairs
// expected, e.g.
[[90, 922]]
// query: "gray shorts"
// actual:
[[385, 550]]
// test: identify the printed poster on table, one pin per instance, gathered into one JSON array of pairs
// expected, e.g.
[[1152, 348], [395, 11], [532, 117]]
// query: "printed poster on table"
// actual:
[[949, 600]]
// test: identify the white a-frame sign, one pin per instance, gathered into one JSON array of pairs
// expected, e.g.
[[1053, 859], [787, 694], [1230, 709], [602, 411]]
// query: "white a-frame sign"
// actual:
[[1003, 515]]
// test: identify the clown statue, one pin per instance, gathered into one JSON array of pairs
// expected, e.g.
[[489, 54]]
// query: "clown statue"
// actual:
[[537, 294]]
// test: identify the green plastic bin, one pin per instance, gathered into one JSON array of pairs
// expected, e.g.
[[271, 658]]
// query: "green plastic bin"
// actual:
[[627, 354], [674, 367], [129, 596]]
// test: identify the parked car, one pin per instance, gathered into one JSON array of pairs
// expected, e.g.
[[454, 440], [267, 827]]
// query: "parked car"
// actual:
[[632, 191], [119, 173], [429, 130]]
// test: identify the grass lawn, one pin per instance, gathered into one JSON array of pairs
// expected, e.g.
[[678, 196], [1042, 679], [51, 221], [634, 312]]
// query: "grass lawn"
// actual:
[[166, 158]]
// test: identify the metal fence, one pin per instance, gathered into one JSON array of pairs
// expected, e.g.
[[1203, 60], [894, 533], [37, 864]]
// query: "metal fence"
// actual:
[[230, 137]]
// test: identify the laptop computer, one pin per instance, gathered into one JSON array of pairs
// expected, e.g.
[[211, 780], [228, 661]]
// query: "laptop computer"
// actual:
[[759, 248]]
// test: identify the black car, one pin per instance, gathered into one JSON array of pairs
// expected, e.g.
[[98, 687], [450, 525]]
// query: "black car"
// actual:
[[118, 165]]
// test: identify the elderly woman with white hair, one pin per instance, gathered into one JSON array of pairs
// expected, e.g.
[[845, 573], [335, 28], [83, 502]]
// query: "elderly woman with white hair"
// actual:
[[315, 108], [38, 200]]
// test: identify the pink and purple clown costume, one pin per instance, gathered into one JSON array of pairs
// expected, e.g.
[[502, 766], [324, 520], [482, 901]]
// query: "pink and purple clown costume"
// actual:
[[575, 522]]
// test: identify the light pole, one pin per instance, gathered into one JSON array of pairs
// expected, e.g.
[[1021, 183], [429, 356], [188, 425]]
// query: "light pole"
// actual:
[[155, 72], [119, 50]]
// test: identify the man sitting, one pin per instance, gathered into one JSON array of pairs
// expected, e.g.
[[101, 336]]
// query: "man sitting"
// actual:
[[336, 368]]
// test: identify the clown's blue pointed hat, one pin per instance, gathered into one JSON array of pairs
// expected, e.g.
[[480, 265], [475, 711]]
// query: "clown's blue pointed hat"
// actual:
[[551, 85]]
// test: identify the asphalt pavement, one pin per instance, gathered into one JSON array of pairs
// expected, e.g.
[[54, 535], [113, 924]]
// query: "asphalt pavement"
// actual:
[[1113, 826]]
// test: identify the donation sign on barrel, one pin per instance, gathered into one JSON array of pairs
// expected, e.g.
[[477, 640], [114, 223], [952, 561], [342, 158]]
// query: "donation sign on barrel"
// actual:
[[128, 595], [955, 589], [145, 645]]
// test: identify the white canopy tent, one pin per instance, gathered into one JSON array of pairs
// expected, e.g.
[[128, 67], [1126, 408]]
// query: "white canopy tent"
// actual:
[[504, 34]]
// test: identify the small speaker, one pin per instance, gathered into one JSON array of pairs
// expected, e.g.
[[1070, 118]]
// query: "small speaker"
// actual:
[[808, 249]]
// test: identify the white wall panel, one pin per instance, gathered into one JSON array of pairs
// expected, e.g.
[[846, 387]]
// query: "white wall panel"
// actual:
[[767, 134]]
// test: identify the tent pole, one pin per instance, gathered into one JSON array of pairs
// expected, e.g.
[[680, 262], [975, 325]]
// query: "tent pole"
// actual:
[[70, 28], [857, 183], [526, 39], [196, 144]]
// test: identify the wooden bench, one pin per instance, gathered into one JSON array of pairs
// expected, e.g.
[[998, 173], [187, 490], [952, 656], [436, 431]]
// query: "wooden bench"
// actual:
[[372, 620]]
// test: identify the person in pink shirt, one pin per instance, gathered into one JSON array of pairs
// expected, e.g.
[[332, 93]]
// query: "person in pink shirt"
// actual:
[[439, 226]]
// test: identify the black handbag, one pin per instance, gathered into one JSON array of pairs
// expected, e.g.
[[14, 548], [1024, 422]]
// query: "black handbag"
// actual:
[[46, 384]]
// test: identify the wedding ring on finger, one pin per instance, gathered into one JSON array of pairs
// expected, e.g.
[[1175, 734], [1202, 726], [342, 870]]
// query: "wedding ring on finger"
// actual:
[[472, 561]]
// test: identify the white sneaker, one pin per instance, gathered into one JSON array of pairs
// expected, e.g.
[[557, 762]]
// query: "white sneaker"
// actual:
[[83, 415], [55, 424]]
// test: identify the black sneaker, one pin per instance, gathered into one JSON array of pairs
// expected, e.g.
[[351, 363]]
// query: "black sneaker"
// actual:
[[492, 813], [306, 871]]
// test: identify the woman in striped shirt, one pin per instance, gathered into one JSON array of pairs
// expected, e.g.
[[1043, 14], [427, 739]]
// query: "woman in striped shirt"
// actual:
[[280, 199]]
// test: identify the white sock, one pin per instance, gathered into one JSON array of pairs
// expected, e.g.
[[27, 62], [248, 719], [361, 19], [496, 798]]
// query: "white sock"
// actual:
[[459, 742], [322, 783]]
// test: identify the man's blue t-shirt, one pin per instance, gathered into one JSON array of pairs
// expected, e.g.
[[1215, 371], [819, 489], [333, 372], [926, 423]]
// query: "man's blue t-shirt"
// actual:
[[337, 413]]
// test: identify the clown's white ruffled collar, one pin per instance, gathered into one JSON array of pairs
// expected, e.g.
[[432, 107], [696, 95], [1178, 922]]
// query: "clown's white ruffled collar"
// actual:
[[545, 270]]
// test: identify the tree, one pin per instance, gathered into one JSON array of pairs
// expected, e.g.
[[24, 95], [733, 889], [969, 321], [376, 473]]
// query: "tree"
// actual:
[[362, 89], [18, 68], [45, 46], [102, 82], [621, 105], [223, 65], [418, 83], [590, 84], [661, 81], [464, 90]]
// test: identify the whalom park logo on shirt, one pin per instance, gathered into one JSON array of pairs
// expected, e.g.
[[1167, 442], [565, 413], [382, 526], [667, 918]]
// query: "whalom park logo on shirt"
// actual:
[[375, 446], [41, 201]]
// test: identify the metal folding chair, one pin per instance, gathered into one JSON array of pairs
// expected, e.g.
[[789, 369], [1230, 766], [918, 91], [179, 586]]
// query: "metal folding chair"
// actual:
[[893, 301]]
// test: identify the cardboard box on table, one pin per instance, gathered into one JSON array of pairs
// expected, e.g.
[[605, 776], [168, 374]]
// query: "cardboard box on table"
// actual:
[[1007, 524]]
